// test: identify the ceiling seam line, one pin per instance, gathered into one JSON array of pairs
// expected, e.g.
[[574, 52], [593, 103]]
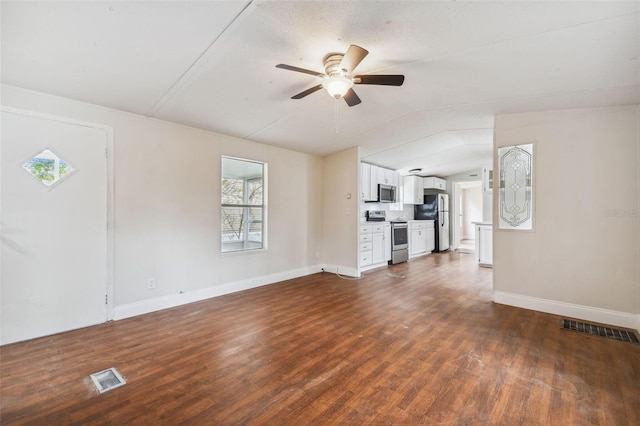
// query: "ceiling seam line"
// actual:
[[428, 136], [508, 40], [273, 123], [569, 92], [186, 75]]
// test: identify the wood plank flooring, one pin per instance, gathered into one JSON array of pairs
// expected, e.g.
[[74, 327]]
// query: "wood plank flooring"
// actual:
[[429, 349]]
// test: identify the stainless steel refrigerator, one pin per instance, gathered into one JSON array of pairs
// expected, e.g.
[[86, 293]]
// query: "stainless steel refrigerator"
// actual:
[[436, 208]]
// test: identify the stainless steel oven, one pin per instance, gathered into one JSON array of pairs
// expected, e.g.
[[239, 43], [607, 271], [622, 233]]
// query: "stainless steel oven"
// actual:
[[399, 242]]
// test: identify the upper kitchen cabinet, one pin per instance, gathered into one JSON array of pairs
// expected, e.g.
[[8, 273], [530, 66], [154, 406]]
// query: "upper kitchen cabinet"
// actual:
[[368, 193], [433, 182], [413, 190], [371, 176], [487, 179], [386, 176]]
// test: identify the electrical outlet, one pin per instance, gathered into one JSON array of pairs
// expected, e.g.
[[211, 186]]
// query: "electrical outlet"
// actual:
[[151, 283]]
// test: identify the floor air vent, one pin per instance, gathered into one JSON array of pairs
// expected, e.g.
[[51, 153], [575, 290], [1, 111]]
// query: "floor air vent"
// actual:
[[598, 330], [107, 379]]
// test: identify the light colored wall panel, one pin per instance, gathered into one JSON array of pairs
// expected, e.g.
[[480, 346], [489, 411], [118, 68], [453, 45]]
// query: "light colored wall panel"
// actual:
[[341, 175], [584, 248], [167, 206]]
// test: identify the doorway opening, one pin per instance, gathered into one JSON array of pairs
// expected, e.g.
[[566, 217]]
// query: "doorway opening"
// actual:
[[468, 207]]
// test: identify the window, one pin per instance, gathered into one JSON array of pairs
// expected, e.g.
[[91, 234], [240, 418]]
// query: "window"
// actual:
[[243, 204], [48, 168]]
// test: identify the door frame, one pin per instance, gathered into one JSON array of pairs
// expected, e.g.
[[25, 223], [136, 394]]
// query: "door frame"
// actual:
[[108, 131], [457, 191]]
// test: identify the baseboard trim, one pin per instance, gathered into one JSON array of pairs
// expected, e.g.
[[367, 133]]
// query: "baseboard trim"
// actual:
[[604, 316], [342, 270], [170, 301]]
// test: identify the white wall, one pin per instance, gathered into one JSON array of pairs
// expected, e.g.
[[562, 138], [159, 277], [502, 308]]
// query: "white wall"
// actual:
[[471, 210], [341, 201], [167, 208], [582, 258]]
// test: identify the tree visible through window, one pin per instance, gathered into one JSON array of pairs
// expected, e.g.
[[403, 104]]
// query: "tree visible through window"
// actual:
[[48, 168], [243, 209]]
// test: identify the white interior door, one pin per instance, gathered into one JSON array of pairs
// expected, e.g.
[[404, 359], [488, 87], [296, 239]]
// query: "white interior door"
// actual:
[[53, 237]]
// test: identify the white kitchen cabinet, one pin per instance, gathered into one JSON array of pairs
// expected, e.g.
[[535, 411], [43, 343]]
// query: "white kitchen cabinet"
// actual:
[[413, 190], [385, 176], [418, 242], [395, 179], [387, 241], [431, 239], [421, 237], [371, 176], [366, 183], [487, 179], [484, 244], [375, 244], [377, 254], [433, 182]]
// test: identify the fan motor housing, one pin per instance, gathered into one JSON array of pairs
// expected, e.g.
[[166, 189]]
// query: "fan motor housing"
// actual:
[[332, 62]]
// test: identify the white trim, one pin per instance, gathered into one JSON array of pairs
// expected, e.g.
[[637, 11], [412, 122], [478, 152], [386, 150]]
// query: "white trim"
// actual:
[[164, 302], [604, 316], [110, 222], [342, 270], [108, 131]]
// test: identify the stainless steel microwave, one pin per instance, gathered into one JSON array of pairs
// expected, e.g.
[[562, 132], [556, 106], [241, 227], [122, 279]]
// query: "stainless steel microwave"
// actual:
[[386, 193]]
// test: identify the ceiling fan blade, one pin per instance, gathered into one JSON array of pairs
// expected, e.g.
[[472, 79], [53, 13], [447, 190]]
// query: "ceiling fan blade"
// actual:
[[296, 69], [351, 98], [381, 79], [355, 55], [307, 92]]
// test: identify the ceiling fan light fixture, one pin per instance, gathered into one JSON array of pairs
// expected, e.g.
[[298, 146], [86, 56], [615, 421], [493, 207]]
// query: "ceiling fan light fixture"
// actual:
[[337, 85]]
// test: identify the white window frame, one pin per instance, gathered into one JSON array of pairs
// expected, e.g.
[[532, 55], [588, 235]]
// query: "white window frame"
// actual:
[[245, 244]]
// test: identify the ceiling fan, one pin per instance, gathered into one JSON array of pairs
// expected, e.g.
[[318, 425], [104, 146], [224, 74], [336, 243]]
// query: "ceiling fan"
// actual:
[[338, 79]]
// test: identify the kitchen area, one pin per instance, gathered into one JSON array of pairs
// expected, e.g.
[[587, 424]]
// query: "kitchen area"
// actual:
[[405, 217]]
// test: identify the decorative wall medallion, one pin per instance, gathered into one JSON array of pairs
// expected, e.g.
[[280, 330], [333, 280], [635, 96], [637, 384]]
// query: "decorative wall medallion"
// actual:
[[515, 168], [48, 168]]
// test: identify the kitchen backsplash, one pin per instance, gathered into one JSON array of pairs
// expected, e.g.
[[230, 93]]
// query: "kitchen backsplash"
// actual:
[[405, 214]]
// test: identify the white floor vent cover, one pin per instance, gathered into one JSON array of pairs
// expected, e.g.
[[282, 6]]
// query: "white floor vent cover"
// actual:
[[107, 379]]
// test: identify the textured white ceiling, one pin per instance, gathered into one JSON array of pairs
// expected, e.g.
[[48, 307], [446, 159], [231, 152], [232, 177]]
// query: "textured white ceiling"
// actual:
[[211, 64]]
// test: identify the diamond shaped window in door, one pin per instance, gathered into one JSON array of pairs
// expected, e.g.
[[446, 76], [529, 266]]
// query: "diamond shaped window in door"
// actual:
[[48, 168]]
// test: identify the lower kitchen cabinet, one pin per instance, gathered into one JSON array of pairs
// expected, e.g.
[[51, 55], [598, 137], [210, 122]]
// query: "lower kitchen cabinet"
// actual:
[[431, 240], [375, 245], [484, 244], [387, 242], [377, 250], [418, 243], [421, 237]]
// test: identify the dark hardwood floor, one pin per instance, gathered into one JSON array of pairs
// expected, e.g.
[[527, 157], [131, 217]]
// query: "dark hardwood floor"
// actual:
[[430, 348]]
